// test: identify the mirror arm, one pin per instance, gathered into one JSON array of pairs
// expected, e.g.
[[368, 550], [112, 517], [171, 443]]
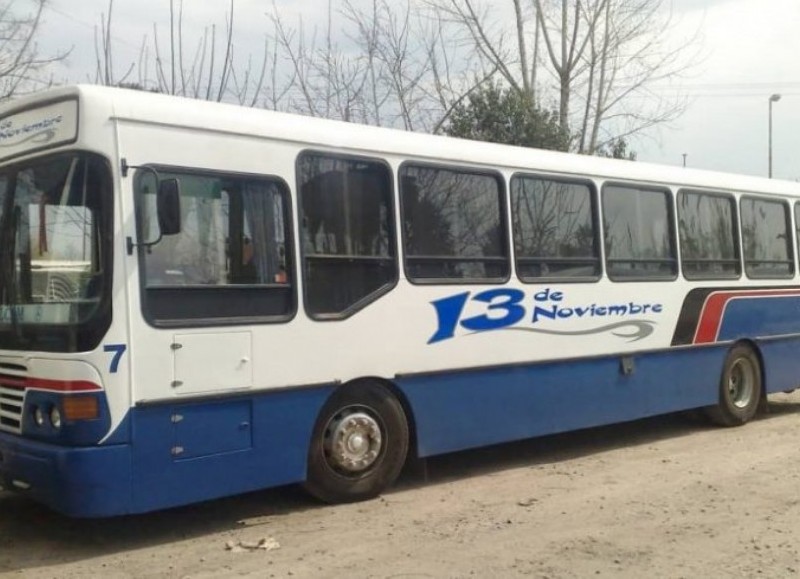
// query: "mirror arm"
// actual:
[[130, 244], [124, 167]]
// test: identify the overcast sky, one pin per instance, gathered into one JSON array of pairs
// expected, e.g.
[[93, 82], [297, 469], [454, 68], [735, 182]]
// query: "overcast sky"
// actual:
[[751, 48]]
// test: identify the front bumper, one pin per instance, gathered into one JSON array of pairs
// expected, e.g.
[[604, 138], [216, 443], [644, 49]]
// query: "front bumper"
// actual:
[[78, 482]]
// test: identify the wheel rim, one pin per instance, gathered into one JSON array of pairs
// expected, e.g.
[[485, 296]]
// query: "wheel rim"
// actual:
[[353, 441], [741, 383]]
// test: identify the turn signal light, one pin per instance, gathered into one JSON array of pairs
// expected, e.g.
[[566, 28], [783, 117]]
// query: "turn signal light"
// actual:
[[80, 408]]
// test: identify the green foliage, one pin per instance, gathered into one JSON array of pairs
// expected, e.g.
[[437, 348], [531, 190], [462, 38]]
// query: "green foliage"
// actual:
[[492, 113], [617, 149]]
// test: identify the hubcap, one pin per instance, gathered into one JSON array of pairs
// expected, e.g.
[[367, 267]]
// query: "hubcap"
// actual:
[[741, 382], [353, 441]]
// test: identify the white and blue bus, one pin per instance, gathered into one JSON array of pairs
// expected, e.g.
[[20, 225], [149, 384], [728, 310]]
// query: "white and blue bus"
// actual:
[[199, 299]]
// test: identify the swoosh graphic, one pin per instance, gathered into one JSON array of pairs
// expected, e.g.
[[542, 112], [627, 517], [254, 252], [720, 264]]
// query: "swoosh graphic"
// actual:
[[40, 137], [640, 330]]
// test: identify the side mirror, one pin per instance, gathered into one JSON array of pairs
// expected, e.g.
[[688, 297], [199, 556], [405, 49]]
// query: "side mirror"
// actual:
[[168, 206]]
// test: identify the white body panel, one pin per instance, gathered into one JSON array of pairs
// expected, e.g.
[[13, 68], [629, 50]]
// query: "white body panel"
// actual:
[[391, 335]]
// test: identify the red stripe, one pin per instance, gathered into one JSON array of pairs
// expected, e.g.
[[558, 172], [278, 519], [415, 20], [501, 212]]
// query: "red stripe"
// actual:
[[714, 309], [53, 385]]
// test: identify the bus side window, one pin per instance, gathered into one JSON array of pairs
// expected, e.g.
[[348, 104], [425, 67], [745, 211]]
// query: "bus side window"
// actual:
[[347, 236], [229, 260], [765, 238], [453, 225], [555, 234], [708, 235], [638, 231]]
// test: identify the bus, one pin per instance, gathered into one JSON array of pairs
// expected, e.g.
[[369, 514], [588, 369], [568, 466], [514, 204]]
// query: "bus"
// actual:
[[199, 299]]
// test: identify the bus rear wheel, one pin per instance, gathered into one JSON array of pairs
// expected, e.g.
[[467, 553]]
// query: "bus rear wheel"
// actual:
[[739, 389], [359, 444]]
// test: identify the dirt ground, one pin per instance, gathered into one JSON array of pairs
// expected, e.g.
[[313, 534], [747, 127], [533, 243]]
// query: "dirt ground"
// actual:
[[665, 497]]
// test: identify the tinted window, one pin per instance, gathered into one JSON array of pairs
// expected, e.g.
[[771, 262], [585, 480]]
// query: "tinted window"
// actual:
[[765, 238], [232, 256], [347, 236], [707, 229], [453, 225], [554, 231], [638, 233]]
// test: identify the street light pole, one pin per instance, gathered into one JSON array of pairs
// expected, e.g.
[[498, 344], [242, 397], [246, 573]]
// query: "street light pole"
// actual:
[[772, 99]]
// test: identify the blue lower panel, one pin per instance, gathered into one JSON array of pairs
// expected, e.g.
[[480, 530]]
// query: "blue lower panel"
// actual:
[[192, 451], [180, 454], [82, 482], [184, 453], [471, 409], [781, 362]]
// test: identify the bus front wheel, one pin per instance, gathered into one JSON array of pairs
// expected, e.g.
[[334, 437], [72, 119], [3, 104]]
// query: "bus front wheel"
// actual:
[[739, 389], [359, 444]]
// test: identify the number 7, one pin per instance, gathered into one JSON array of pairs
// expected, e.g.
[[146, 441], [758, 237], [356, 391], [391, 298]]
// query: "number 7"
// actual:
[[118, 350]]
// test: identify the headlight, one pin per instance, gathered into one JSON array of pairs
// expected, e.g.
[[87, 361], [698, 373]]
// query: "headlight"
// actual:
[[55, 417], [38, 416]]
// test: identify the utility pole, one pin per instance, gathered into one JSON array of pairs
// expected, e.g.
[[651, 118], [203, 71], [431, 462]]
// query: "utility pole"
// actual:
[[772, 99]]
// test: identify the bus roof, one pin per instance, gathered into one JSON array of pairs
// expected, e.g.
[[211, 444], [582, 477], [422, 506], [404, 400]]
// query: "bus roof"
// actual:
[[166, 110]]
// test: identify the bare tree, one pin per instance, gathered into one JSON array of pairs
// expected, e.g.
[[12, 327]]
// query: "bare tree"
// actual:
[[404, 64], [563, 26], [386, 63], [323, 81], [22, 67], [574, 25], [605, 55], [409, 64], [626, 59], [486, 32], [392, 66], [196, 73]]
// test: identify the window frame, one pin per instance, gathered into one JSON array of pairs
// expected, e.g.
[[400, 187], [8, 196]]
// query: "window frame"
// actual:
[[737, 238], [504, 215], [222, 321], [595, 220], [671, 224], [89, 332], [790, 246], [392, 235], [796, 231]]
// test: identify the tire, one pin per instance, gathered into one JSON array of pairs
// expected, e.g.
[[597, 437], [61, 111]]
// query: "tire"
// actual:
[[739, 388], [359, 444]]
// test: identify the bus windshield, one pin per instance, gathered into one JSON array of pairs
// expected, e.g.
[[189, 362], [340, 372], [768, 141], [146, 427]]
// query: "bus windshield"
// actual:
[[53, 262]]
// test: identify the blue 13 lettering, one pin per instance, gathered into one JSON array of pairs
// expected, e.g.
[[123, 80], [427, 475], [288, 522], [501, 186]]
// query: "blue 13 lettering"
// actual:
[[505, 307]]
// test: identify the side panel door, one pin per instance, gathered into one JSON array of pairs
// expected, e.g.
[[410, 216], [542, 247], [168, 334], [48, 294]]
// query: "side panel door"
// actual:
[[212, 362]]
